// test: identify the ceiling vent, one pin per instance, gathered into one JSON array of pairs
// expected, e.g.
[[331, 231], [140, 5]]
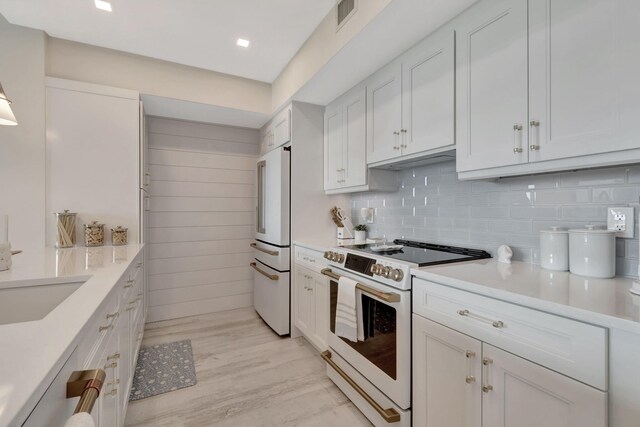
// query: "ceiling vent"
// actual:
[[344, 10]]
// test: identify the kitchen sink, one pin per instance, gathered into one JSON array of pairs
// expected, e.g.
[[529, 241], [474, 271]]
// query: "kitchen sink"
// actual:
[[33, 302]]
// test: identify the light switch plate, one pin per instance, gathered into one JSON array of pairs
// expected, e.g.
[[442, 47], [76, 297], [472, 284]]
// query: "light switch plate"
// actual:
[[621, 220]]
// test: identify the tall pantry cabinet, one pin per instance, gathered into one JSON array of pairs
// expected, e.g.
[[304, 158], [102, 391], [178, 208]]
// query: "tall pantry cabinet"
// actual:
[[92, 155]]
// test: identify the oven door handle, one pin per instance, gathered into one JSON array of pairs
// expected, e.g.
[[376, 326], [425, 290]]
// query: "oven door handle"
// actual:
[[384, 296], [390, 415], [273, 277]]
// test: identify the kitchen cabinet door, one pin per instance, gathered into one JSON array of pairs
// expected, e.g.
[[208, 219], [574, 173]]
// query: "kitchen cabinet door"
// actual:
[[333, 147], [584, 65], [519, 393], [321, 309], [304, 311], [282, 128], [355, 138], [491, 85], [428, 109], [446, 377], [384, 113]]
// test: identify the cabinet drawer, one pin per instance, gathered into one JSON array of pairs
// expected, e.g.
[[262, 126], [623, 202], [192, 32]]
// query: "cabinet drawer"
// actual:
[[99, 328], [576, 349], [310, 258]]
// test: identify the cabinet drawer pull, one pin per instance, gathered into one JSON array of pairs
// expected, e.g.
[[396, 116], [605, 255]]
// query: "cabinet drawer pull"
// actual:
[[129, 284], [140, 264], [113, 392], [113, 315], [116, 382], [495, 323], [105, 328], [486, 388], [111, 365], [114, 356]]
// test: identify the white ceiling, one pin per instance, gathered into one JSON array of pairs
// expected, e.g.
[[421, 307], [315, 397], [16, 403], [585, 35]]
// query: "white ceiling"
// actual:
[[200, 33]]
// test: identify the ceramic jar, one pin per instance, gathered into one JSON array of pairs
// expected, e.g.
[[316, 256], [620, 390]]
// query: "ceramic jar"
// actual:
[[554, 249], [592, 252]]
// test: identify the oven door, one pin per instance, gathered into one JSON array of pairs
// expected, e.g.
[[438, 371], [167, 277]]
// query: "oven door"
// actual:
[[384, 357]]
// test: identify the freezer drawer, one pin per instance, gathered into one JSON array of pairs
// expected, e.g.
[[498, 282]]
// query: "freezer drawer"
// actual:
[[273, 256], [271, 297]]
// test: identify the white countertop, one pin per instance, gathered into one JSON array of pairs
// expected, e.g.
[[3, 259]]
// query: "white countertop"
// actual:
[[33, 352], [604, 302], [324, 244]]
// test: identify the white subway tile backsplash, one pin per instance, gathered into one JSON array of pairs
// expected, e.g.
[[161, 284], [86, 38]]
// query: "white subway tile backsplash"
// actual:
[[435, 206]]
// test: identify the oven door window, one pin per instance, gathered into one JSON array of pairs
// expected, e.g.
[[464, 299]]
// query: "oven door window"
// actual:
[[379, 321]]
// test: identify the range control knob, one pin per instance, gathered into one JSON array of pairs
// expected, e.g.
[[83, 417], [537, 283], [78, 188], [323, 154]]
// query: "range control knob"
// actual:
[[396, 274], [385, 272], [332, 256], [327, 254], [375, 269], [339, 258]]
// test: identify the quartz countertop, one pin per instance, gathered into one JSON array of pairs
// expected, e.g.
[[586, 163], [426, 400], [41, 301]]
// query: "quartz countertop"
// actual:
[[324, 244], [33, 351], [604, 302]]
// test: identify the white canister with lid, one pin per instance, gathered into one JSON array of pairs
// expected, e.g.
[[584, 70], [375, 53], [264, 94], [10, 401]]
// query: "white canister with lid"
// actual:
[[554, 249], [592, 252]]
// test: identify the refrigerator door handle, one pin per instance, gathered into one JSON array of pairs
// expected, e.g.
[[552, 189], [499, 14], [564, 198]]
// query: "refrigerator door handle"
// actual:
[[260, 213]]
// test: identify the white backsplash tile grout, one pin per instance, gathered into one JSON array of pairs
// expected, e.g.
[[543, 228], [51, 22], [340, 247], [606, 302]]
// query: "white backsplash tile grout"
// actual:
[[433, 205]]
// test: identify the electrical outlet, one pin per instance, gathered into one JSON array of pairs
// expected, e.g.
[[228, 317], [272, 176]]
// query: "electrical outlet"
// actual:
[[621, 221]]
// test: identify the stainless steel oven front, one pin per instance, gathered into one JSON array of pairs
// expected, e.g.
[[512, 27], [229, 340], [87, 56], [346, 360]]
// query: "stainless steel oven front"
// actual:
[[384, 357]]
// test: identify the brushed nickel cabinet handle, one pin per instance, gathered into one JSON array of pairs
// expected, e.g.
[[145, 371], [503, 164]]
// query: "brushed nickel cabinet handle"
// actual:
[[390, 415], [113, 356], [113, 315], [403, 144], [266, 251], [495, 323], [105, 328], [535, 124], [111, 365], [517, 139], [273, 277], [470, 379], [486, 388]]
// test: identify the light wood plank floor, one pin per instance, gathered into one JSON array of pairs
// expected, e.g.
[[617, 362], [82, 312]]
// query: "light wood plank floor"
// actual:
[[247, 376]]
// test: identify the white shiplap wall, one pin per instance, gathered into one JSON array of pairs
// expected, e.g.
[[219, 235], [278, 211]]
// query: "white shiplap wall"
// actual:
[[202, 217]]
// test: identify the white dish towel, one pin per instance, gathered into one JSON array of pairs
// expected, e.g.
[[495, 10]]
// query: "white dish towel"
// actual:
[[349, 323]]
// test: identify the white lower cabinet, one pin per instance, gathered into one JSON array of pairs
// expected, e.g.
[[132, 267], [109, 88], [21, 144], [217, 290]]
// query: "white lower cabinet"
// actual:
[[312, 306], [110, 341], [460, 381], [310, 299], [446, 376]]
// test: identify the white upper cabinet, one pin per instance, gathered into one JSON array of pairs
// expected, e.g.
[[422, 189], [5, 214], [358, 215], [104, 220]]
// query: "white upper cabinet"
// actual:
[[428, 93], [384, 113], [547, 85], [345, 147], [410, 103], [584, 65], [282, 127], [492, 86], [277, 132], [333, 147]]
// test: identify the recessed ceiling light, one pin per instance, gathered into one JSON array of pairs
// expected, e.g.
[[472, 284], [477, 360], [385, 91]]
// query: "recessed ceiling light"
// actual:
[[240, 42], [103, 5]]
